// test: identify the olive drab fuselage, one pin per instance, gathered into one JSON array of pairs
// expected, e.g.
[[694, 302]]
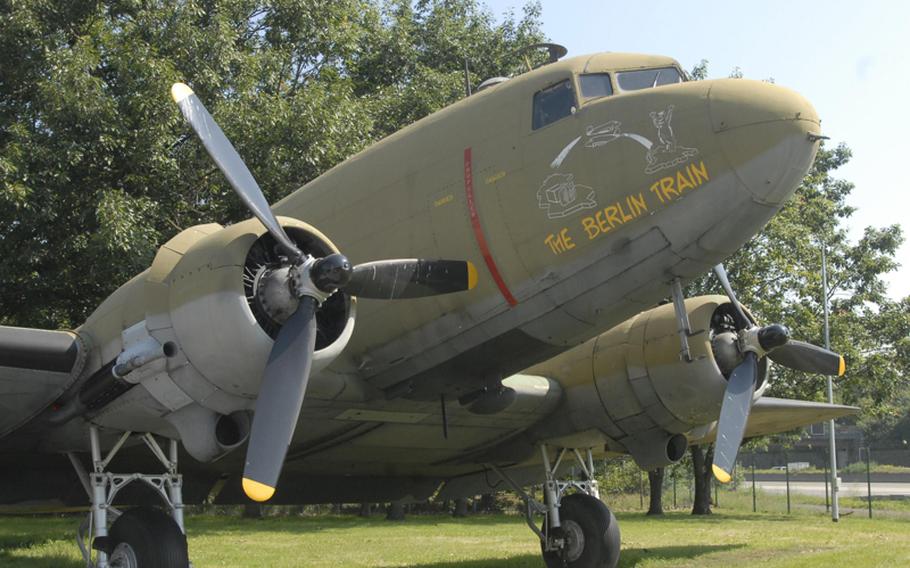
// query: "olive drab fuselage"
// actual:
[[577, 209]]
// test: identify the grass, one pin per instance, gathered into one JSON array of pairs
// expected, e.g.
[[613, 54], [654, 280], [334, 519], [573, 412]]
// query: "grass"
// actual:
[[732, 536]]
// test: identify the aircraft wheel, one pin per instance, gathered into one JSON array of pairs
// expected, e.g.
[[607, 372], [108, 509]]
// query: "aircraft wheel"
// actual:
[[591, 533], [146, 538]]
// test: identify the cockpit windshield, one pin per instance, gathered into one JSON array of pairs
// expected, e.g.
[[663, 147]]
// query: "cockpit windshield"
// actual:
[[647, 78]]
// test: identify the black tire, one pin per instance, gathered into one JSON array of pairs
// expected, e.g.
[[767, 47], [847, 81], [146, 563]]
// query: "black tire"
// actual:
[[153, 538], [591, 517]]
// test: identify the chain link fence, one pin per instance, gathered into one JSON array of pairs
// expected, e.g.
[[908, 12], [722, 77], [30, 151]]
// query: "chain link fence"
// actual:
[[778, 481]]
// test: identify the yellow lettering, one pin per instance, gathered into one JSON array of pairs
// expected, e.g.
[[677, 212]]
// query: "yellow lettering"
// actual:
[[601, 222], [637, 203], [682, 182], [443, 200], [566, 239], [666, 186], [625, 218], [495, 177], [550, 240], [699, 172], [590, 226], [655, 189], [612, 216]]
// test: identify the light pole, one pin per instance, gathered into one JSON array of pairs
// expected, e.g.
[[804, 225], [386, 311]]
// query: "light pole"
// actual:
[[832, 447]]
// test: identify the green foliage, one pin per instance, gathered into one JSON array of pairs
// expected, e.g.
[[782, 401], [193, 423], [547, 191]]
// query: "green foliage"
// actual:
[[97, 168], [620, 475]]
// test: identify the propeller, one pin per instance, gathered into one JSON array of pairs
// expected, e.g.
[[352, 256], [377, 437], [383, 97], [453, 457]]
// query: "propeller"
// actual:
[[753, 343], [312, 281]]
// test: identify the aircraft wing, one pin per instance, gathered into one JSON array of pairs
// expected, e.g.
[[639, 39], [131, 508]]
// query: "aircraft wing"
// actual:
[[36, 367], [775, 415]]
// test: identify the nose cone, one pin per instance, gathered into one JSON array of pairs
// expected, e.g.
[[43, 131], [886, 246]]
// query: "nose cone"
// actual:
[[766, 134]]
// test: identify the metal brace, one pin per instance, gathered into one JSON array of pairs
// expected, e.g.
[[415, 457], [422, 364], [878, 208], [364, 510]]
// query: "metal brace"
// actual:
[[682, 320], [554, 490], [103, 486]]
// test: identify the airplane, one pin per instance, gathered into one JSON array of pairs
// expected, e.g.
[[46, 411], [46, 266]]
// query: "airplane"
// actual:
[[538, 225]]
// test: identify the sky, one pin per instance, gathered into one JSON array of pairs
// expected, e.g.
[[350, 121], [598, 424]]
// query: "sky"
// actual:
[[850, 59]]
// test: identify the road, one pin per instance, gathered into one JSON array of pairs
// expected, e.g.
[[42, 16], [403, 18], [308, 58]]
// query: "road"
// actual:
[[848, 489]]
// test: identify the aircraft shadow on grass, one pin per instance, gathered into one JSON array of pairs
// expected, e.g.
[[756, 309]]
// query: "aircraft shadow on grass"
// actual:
[[635, 556], [630, 557]]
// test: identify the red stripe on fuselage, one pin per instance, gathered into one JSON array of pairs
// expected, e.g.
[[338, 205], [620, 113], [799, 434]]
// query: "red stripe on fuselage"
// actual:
[[478, 231]]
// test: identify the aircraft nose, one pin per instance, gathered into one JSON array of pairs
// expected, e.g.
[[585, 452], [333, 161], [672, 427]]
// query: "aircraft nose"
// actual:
[[767, 133]]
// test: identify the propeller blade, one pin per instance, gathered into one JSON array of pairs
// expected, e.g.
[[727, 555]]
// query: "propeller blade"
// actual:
[[280, 398], [410, 278], [230, 163], [803, 356], [742, 321], [733, 416]]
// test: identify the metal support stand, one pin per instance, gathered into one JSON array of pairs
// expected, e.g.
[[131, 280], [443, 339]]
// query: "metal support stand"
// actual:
[[554, 489], [832, 431], [682, 320], [103, 486]]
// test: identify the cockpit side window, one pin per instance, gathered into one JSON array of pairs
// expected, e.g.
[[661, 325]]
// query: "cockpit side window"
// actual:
[[595, 85], [647, 78], [553, 103]]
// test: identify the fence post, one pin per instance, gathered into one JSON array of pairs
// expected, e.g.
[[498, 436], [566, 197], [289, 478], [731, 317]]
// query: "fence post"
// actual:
[[754, 508], [787, 470], [869, 478], [827, 501]]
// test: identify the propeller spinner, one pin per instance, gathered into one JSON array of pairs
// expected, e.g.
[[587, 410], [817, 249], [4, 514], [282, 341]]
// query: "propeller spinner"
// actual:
[[754, 342], [311, 281]]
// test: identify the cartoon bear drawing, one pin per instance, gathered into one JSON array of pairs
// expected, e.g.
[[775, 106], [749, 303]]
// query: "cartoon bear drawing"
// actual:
[[666, 152], [661, 120]]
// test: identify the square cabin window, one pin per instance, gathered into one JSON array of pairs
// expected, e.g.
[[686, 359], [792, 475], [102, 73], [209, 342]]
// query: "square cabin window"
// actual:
[[553, 103], [595, 85]]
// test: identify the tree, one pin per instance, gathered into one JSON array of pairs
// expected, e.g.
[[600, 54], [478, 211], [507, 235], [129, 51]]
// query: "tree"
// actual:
[[97, 168], [656, 488], [702, 459]]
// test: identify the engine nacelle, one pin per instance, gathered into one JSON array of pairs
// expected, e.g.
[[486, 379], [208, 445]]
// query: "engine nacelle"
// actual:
[[631, 385], [649, 391], [201, 298]]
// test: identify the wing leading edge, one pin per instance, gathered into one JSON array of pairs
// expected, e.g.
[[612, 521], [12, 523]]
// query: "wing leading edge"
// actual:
[[36, 367], [775, 415]]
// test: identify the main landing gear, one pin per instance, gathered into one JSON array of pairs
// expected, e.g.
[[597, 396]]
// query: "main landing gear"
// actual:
[[143, 537], [578, 530]]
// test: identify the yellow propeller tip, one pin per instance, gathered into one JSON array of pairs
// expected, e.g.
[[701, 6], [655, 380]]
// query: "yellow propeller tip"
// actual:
[[842, 368], [179, 91], [721, 475], [472, 275], [257, 491]]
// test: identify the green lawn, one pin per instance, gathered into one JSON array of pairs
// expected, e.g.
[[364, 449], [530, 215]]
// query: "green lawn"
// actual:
[[500, 541]]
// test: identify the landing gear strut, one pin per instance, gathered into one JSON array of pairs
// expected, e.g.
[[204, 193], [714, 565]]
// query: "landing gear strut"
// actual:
[[139, 538], [578, 530]]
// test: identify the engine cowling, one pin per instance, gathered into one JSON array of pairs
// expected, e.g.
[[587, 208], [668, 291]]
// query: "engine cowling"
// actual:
[[205, 296], [633, 387]]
